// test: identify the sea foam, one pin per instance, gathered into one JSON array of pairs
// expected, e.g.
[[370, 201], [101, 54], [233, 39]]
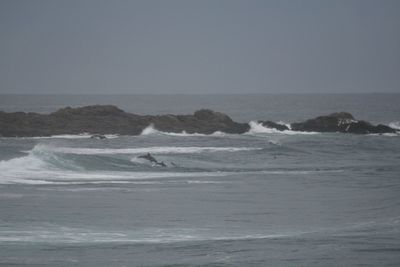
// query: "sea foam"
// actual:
[[46, 167], [65, 235], [258, 128], [395, 125], [151, 130]]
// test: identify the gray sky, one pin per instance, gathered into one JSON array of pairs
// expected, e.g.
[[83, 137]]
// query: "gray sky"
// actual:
[[187, 46]]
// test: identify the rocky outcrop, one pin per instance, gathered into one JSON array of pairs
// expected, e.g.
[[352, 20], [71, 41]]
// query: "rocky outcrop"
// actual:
[[274, 125], [340, 122], [203, 121], [106, 119]]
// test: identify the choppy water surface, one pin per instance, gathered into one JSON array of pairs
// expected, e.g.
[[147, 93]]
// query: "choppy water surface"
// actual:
[[257, 199]]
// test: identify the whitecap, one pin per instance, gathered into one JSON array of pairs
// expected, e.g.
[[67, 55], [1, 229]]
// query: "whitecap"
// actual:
[[35, 170], [395, 125], [151, 130], [258, 128]]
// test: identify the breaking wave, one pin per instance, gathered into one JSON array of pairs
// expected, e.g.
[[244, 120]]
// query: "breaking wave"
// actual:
[[395, 125], [46, 165], [152, 150], [258, 128], [255, 128], [36, 170], [50, 165], [151, 130]]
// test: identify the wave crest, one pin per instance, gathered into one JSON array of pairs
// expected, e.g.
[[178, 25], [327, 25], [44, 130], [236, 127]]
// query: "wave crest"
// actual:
[[258, 128], [152, 150], [395, 125], [151, 130]]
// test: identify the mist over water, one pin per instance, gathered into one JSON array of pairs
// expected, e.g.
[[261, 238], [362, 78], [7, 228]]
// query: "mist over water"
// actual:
[[257, 199]]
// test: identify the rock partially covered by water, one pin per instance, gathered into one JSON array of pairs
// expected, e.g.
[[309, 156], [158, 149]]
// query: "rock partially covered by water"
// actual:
[[106, 119], [274, 125], [203, 121], [340, 122], [99, 120]]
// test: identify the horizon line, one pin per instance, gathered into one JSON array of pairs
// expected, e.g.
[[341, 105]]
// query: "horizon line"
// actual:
[[194, 94]]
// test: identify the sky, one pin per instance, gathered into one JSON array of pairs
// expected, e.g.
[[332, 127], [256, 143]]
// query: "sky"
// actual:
[[199, 47]]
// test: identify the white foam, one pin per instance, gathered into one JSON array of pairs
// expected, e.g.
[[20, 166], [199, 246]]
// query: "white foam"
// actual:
[[151, 130], [395, 125], [204, 182], [65, 235], [384, 134], [258, 128], [64, 136], [41, 166], [390, 134], [57, 234], [185, 134], [274, 142], [19, 171], [140, 160], [34, 169]]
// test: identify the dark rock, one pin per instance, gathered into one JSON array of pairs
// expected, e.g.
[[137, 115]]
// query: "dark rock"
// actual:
[[274, 125], [340, 122], [96, 110], [330, 123], [107, 119], [203, 121], [209, 115], [363, 127], [380, 128]]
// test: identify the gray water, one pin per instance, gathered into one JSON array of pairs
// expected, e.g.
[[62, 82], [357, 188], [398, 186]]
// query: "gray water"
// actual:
[[258, 199]]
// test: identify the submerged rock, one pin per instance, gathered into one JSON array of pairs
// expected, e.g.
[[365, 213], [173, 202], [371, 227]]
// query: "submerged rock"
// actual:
[[274, 125]]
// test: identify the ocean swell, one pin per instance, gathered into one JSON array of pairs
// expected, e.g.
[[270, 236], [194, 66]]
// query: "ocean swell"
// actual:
[[152, 150]]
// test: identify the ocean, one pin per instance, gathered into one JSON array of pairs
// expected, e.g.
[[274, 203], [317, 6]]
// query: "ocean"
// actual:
[[263, 198]]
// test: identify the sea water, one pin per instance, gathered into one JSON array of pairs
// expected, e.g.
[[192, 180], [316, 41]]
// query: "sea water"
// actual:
[[263, 198]]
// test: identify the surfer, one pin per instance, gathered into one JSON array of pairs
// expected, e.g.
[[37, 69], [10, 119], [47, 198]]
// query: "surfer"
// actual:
[[152, 159]]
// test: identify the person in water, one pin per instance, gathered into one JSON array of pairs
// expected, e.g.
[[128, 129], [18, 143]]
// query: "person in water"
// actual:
[[152, 159]]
